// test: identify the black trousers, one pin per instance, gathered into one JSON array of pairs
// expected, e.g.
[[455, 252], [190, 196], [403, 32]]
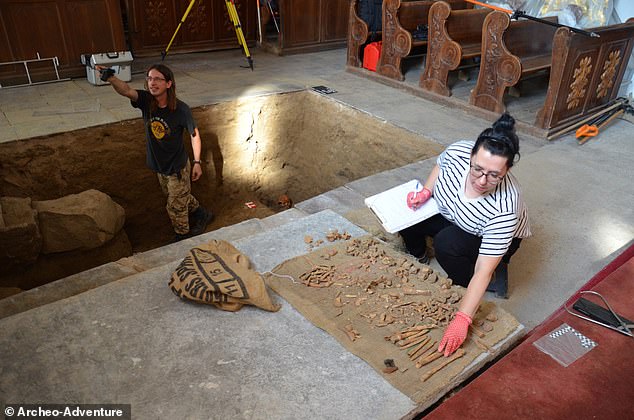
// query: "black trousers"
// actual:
[[455, 249]]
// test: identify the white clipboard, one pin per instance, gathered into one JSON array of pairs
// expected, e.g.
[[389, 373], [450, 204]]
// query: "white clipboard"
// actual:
[[390, 207]]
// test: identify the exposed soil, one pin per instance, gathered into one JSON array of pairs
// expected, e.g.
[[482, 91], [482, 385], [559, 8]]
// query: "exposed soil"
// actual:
[[300, 144]]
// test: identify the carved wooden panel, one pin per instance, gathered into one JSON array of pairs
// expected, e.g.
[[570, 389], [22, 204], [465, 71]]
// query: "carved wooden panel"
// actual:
[[357, 35], [400, 19], [443, 54], [207, 26], [397, 41], [498, 67], [586, 73], [453, 36], [57, 28]]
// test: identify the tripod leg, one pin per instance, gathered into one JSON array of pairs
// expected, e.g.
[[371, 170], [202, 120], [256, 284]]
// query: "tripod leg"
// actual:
[[235, 19], [189, 8]]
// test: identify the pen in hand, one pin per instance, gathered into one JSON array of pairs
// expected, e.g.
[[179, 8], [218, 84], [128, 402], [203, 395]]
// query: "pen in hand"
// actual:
[[416, 198]]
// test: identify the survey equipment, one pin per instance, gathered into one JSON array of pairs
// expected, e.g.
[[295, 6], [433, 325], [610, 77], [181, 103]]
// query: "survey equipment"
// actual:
[[235, 20]]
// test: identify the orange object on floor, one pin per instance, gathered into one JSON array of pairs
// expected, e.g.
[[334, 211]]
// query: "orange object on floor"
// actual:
[[371, 54]]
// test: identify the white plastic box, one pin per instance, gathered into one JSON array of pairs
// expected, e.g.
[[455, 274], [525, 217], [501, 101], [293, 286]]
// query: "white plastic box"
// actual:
[[120, 62]]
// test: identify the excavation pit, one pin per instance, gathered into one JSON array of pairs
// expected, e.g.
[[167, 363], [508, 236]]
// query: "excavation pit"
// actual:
[[256, 149]]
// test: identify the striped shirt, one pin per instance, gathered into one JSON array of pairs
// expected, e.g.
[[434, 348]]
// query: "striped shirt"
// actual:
[[496, 217]]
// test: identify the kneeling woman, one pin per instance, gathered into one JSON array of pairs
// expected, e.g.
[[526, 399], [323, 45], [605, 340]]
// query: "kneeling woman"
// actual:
[[482, 217]]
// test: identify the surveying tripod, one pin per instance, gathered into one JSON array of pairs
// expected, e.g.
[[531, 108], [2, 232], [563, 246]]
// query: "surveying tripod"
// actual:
[[235, 19]]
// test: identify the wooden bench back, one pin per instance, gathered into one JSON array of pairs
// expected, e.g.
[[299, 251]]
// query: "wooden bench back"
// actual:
[[527, 38], [510, 49], [414, 13], [465, 26], [454, 35]]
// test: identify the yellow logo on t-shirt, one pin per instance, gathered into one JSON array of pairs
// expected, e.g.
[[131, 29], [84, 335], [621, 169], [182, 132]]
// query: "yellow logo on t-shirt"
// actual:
[[158, 129]]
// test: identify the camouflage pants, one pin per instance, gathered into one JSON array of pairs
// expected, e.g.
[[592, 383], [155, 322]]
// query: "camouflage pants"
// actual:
[[180, 201]]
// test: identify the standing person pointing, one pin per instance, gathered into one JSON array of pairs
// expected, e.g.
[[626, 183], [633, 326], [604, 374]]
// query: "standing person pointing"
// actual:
[[165, 118], [482, 217]]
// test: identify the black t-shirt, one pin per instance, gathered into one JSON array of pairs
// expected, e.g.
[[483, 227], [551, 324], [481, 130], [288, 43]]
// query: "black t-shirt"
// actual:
[[166, 152]]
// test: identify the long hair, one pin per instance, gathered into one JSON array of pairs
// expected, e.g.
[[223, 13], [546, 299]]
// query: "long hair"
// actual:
[[500, 140], [171, 92]]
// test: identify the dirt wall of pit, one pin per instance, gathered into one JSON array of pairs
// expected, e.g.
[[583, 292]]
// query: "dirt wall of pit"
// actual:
[[254, 149]]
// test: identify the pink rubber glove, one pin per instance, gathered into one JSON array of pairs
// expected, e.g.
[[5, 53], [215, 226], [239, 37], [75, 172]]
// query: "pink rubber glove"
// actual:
[[416, 199], [455, 334]]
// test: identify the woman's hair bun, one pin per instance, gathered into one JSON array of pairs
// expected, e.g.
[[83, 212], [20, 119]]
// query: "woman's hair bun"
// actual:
[[504, 124], [500, 139]]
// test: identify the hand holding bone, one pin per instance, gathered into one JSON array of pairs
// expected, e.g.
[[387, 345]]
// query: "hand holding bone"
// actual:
[[455, 334]]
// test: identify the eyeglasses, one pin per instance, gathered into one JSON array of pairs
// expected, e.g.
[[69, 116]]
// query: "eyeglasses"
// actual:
[[154, 79], [491, 177]]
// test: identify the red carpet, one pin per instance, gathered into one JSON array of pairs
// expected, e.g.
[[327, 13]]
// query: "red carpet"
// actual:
[[528, 383]]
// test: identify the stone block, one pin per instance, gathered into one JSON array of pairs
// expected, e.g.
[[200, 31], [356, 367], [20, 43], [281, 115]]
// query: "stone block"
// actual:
[[78, 221], [20, 239]]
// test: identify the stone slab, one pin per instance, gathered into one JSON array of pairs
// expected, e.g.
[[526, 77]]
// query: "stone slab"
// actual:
[[282, 218], [377, 183], [63, 288], [134, 342], [178, 250], [340, 200]]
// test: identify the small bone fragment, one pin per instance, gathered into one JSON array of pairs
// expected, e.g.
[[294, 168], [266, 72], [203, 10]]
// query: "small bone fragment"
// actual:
[[482, 345], [418, 350], [429, 358], [412, 291], [410, 332], [413, 337], [360, 301], [351, 332], [421, 327], [457, 355], [332, 236], [477, 331], [350, 335], [492, 317], [421, 355], [413, 343]]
